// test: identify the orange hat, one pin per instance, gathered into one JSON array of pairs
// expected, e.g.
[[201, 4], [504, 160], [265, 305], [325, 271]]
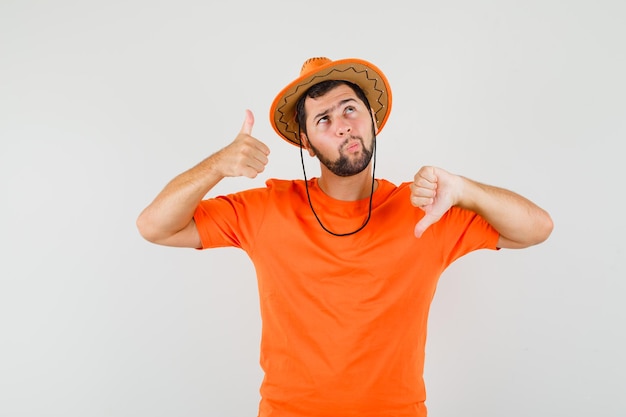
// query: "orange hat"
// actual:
[[362, 73]]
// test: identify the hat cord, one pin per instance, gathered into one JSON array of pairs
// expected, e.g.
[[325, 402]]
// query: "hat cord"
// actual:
[[306, 185]]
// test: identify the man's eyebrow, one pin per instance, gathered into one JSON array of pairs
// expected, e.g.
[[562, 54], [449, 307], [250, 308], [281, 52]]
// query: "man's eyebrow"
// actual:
[[326, 111]]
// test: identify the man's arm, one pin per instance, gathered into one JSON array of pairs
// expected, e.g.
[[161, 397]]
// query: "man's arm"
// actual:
[[520, 222], [168, 220]]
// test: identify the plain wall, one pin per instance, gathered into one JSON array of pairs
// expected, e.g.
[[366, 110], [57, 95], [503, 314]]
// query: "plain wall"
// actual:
[[103, 102]]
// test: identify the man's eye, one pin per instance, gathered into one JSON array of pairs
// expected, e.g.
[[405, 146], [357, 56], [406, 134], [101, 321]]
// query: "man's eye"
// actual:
[[322, 120], [349, 109]]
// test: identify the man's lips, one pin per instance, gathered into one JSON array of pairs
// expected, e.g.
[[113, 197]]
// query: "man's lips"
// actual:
[[353, 145]]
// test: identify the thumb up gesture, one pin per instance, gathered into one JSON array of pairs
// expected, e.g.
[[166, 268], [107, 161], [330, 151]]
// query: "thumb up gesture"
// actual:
[[246, 156]]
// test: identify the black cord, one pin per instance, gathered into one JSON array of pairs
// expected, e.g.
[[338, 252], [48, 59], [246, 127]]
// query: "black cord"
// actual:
[[306, 185]]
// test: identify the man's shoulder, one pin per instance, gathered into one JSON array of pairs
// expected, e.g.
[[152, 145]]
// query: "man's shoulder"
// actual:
[[281, 182], [271, 185], [278, 185]]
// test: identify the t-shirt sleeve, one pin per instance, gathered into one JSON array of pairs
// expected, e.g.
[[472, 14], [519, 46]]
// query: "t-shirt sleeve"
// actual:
[[230, 220], [465, 231]]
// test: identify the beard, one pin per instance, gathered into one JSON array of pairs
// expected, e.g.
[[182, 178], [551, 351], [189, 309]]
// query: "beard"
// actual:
[[345, 166]]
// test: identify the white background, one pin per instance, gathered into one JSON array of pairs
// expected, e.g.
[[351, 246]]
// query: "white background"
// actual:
[[103, 102]]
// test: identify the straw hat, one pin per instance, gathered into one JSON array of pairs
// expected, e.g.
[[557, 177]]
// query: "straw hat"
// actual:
[[366, 75]]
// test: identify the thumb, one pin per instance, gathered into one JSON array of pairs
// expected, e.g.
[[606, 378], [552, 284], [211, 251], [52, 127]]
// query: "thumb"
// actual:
[[424, 224], [246, 128]]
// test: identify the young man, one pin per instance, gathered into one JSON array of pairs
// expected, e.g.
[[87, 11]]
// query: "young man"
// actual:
[[347, 263]]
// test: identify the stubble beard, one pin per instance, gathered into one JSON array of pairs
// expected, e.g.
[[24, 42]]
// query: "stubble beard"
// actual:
[[345, 166]]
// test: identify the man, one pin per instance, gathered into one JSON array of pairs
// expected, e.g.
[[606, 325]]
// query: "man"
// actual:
[[347, 263]]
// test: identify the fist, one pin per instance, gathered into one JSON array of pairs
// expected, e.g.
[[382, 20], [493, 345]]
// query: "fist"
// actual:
[[433, 191], [246, 156]]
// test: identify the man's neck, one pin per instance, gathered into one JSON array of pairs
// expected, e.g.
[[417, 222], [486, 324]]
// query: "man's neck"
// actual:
[[352, 188]]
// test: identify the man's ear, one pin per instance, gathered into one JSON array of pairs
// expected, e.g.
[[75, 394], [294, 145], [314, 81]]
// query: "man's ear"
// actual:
[[305, 143]]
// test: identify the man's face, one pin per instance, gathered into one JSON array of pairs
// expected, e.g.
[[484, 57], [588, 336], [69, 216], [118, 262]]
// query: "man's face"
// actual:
[[340, 131]]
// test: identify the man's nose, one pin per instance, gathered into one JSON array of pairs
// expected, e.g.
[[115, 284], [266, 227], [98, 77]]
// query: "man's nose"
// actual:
[[343, 127]]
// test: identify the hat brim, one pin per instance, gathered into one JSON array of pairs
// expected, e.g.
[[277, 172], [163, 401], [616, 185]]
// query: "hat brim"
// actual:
[[366, 75]]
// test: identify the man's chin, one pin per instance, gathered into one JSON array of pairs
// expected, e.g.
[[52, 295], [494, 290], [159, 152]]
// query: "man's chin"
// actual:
[[352, 169]]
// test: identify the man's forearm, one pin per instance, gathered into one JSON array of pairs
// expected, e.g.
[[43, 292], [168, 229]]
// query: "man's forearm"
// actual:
[[173, 208], [519, 221]]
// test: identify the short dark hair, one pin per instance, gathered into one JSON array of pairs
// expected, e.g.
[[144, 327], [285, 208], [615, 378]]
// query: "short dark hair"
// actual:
[[319, 90]]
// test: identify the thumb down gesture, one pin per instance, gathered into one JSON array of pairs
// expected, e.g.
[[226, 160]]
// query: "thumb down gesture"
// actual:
[[434, 191]]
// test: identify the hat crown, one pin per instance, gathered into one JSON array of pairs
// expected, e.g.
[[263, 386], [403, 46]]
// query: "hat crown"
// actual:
[[311, 64]]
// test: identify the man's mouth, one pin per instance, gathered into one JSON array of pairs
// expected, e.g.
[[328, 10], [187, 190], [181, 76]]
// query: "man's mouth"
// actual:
[[353, 145]]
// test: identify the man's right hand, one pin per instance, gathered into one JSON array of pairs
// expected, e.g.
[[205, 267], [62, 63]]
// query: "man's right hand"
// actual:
[[168, 220], [246, 156]]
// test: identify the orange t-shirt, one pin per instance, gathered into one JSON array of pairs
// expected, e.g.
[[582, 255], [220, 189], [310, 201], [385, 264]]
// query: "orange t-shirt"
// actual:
[[343, 318]]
